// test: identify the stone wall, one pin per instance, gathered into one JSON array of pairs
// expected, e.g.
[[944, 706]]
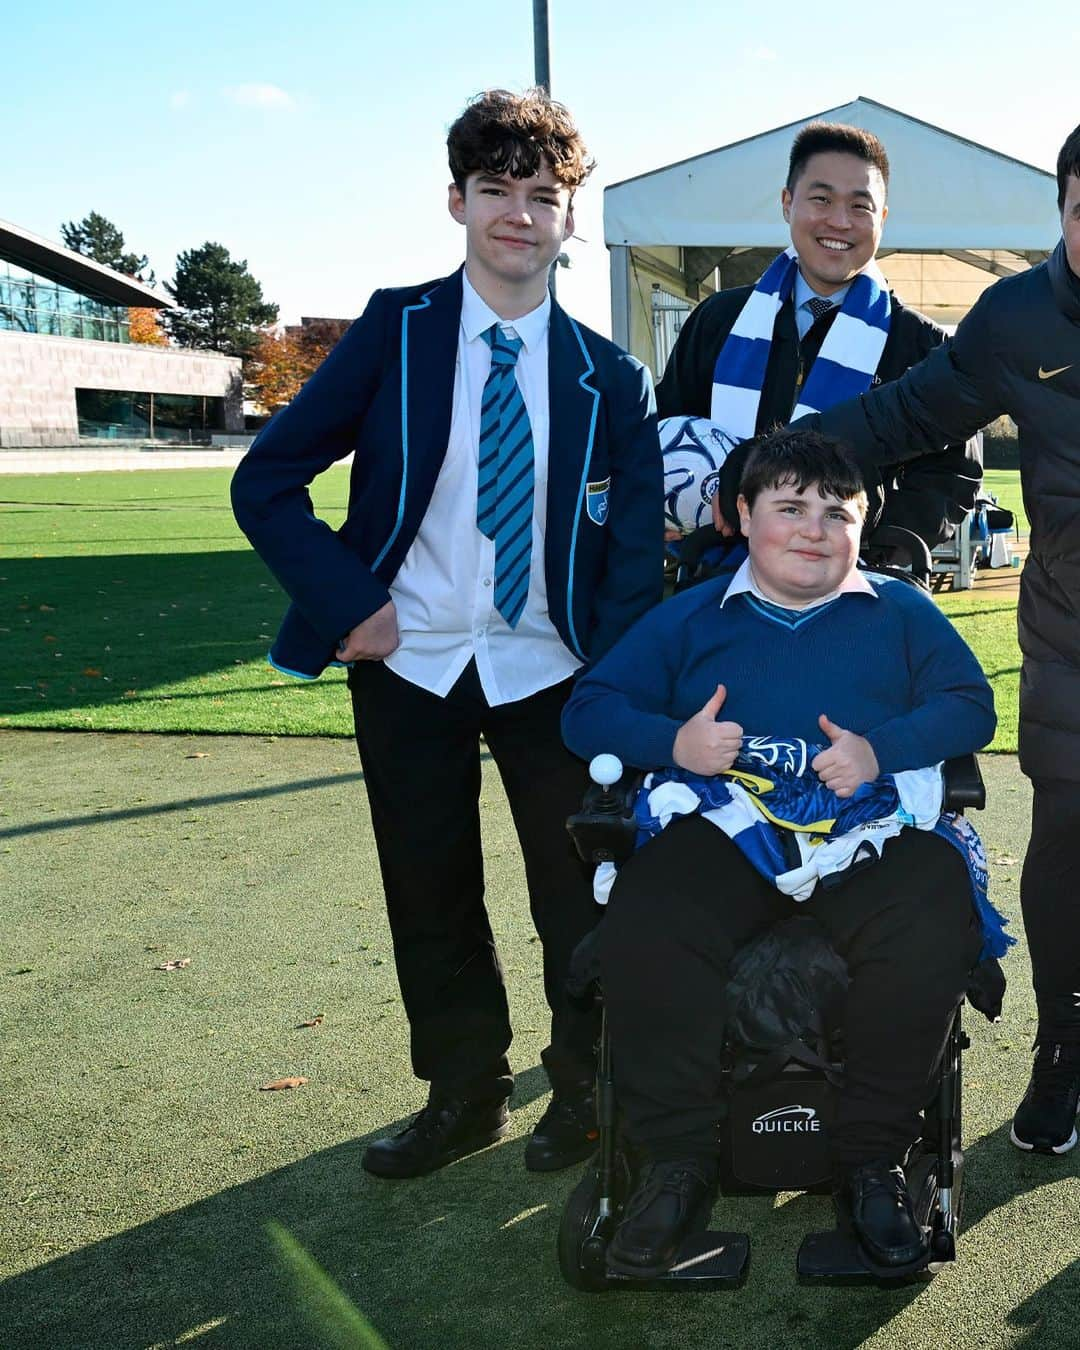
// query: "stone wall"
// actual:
[[39, 376]]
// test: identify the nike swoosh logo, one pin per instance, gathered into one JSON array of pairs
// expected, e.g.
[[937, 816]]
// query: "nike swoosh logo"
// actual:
[[1049, 374]]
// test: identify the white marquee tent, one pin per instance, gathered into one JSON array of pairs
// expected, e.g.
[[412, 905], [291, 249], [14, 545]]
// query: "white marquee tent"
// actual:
[[714, 220]]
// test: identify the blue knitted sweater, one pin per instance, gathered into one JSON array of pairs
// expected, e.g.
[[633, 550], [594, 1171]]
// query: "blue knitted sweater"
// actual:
[[888, 666]]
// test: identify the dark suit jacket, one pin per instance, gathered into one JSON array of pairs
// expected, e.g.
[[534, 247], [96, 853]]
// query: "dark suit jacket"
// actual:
[[927, 496], [386, 392]]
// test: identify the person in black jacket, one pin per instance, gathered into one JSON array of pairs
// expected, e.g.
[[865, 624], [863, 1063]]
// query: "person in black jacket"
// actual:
[[835, 204], [1018, 352]]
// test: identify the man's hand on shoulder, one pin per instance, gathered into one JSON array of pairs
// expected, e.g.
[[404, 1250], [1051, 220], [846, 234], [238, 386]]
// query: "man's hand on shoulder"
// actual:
[[373, 639], [705, 746], [849, 761]]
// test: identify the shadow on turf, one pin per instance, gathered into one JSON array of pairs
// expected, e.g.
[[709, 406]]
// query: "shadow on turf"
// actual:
[[182, 804], [463, 1257], [139, 619]]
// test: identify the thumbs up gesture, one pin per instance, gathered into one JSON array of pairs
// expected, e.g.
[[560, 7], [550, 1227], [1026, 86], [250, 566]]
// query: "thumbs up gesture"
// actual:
[[849, 761], [704, 745]]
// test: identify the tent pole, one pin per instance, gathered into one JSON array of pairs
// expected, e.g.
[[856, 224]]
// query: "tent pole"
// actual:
[[620, 295]]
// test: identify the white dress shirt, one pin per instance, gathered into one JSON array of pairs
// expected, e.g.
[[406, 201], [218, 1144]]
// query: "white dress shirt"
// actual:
[[444, 591]]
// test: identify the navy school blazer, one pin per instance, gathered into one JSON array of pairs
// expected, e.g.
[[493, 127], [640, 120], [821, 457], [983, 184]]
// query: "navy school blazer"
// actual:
[[386, 392]]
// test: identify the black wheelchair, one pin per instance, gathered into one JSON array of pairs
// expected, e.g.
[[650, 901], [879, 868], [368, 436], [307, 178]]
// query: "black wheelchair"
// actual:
[[774, 1132]]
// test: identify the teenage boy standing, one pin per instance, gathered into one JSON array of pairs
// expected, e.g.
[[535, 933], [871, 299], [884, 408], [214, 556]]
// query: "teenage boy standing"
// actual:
[[504, 527]]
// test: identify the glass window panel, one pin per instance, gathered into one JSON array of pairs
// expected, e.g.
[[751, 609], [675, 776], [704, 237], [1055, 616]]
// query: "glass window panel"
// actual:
[[94, 328], [71, 325], [178, 411], [111, 413]]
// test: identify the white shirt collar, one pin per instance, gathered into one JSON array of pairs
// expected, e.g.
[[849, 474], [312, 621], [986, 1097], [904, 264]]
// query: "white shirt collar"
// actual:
[[855, 583], [477, 316]]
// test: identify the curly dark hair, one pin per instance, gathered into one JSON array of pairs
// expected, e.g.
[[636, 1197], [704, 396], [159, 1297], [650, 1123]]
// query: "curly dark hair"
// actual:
[[817, 138], [803, 458], [1068, 162], [500, 132]]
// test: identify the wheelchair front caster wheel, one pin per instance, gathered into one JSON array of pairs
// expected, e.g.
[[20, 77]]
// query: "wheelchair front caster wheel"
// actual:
[[582, 1245]]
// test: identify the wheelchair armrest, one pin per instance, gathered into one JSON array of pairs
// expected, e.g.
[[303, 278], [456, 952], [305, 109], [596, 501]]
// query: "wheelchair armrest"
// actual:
[[964, 785], [605, 828]]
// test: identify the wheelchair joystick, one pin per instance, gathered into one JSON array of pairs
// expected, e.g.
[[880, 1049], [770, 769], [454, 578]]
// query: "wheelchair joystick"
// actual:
[[605, 770], [604, 829]]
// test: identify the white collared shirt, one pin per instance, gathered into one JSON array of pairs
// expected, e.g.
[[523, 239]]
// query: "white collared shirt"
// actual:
[[855, 583], [444, 591]]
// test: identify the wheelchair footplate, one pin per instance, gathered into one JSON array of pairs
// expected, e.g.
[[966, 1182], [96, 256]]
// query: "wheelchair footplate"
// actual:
[[837, 1255], [707, 1260]]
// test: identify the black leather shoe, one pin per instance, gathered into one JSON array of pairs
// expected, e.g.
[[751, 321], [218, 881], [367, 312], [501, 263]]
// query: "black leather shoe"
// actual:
[[445, 1130], [670, 1200], [565, 1134], [876, 1195]]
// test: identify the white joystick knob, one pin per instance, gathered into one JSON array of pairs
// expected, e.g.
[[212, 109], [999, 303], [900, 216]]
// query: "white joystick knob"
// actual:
[[605, 770]]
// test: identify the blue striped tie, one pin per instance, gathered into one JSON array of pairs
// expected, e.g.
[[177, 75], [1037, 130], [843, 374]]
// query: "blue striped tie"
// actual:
[[504, 503]]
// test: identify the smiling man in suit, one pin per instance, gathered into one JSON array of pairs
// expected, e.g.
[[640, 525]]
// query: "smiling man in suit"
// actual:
[[504, 528]]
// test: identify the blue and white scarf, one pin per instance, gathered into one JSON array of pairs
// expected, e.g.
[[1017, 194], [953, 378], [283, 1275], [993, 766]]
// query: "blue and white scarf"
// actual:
[[771, 790], [843, 369]]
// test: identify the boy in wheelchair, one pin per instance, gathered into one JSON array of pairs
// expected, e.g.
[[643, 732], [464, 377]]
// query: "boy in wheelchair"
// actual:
[[799, 645]]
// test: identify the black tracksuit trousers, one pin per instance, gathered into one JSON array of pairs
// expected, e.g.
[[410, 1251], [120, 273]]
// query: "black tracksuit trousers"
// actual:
[[1049, 899], [689, 898]]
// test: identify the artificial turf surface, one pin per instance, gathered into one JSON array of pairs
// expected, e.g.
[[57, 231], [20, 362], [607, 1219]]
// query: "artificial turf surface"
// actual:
[[131, 602], [154, 1196], [143, 1170]]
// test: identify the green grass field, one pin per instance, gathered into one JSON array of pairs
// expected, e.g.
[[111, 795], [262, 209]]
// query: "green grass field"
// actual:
[[131, 602]]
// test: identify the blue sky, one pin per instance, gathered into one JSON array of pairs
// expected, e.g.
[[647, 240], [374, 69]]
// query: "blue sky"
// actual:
[[309, 139]]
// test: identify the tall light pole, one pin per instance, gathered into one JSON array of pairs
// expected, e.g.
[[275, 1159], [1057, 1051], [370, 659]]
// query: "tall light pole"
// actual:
[[541, 46], [542, 75]]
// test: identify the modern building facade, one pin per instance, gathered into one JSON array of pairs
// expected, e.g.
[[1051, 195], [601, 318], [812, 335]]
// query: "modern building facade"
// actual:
[[69, 371]]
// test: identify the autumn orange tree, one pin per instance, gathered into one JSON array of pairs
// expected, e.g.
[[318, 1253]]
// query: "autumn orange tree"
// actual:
[[282, 362], [144, 325]]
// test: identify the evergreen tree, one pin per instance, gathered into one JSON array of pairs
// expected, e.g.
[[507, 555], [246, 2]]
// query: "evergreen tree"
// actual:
[[221, 305], [96, 237]]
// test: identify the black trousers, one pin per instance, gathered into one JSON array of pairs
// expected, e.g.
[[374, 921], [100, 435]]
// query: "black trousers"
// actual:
[[1050, 899], [421, 760], [688, 899]]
